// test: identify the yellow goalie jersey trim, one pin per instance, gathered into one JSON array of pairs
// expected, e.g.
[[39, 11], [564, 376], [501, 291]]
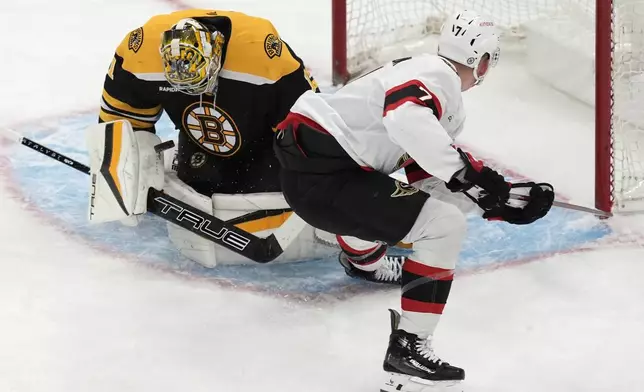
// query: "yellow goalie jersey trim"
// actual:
[[255, 53]]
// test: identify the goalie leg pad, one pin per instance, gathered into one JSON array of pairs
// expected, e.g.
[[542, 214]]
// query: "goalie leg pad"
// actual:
[[123, 167], [190, 245], [260, 214]]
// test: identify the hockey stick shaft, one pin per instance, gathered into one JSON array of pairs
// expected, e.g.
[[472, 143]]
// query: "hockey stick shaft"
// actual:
[[261, 250], [569, 206], [15, 136]]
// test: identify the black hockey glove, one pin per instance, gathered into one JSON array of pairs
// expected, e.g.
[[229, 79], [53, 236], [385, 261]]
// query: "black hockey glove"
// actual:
[[539, 202], [496, 190]]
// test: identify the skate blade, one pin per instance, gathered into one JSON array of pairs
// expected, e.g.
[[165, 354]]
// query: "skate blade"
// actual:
[[403, 383]]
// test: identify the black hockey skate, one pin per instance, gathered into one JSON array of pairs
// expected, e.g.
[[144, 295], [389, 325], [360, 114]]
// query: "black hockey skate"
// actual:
[[413, 366], [390, 272]]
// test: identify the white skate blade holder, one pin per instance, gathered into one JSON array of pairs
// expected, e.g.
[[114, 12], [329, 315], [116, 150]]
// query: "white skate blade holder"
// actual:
[[396, 382]]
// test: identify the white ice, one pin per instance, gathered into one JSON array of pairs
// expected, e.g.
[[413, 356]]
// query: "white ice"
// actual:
[[74, 319]]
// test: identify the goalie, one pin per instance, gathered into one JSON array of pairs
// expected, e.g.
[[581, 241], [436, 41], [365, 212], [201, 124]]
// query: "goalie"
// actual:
[[338, 151], [224, 79]]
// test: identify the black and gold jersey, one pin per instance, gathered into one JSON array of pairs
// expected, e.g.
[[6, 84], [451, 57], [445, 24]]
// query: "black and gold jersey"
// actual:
[[225, 140]]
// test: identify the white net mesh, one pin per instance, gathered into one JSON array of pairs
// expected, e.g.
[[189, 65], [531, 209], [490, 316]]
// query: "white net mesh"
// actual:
[[374, 24], [537, 27], [628, 109]]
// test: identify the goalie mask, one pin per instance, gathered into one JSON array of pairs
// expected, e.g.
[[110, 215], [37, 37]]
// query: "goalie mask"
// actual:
[[192, 57], [467, 38]]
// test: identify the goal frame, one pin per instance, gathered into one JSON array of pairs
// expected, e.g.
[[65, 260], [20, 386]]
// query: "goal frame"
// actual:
[[604, 169]]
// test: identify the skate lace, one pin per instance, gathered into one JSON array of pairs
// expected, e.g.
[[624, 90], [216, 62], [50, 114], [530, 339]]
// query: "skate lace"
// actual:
[[390, 270], [424, 348]]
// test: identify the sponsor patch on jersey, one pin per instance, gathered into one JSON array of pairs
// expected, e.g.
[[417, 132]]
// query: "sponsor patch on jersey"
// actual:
[[135, 40], [197, 160], [273, 46], [166, 89], [403, 189], [212, 129]]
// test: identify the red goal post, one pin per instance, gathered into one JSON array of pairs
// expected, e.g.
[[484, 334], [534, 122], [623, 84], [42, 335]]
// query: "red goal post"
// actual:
[[363, 29]]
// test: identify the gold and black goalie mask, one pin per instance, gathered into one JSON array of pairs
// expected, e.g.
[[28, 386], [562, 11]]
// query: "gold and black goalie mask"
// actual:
[[191, 57]]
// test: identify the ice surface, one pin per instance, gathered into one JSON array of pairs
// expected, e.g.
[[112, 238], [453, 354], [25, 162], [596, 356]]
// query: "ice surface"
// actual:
[[76, 315]]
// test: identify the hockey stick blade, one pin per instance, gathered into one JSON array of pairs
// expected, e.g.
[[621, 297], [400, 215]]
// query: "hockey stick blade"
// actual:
[[261, 250], [568, 206], [10, 134]]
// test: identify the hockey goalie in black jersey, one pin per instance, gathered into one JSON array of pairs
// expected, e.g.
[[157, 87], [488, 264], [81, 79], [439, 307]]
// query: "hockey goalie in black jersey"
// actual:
[[339, 152], [225, 79]]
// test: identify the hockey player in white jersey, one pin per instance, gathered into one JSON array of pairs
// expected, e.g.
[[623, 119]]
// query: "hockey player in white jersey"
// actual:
[[338, 150]]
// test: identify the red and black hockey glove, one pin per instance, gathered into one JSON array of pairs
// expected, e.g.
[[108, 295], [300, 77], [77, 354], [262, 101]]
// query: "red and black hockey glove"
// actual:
[[540, 199], [496, 190]]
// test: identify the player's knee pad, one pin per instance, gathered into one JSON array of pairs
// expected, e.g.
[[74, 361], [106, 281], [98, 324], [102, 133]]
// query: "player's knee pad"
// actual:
[[438, 234]]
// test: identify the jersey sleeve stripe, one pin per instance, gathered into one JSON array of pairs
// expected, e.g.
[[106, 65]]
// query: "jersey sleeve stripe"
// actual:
[[106, 116], [416, 173], [108, 109], [412, 91], [119, 106]]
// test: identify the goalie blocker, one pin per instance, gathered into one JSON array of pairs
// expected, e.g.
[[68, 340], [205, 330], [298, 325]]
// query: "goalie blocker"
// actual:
[[124, 166]]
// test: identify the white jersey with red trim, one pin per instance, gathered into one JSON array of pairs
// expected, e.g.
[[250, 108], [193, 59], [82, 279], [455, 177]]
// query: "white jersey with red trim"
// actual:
[[409, 110]]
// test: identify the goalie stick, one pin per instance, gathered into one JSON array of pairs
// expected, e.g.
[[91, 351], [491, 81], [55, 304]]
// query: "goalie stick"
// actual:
[[568, 206], [261, 250]]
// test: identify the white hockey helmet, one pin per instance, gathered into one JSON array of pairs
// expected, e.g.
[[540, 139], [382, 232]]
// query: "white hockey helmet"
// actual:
[[466, 37]]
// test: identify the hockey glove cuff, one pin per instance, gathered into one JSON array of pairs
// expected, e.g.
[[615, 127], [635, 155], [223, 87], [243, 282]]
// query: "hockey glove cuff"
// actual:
[[495, 190], [540, 199]]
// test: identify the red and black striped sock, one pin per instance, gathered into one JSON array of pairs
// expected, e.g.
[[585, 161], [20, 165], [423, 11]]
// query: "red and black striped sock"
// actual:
[[425, 290]]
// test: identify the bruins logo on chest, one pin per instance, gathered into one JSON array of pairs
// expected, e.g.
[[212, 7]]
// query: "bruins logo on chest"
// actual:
[[212, 129]]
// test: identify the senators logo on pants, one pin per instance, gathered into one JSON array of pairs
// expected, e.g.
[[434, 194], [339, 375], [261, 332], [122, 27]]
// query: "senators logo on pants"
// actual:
[[403, 189], [212, 129]]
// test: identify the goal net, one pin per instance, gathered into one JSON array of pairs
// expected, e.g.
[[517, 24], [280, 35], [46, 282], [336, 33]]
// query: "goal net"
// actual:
[[603, 38]]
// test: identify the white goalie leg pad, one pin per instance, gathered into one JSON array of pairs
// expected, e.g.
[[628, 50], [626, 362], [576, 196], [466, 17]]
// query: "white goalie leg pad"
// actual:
[[249, 213], [190, 245], [123, 167], [260, 214]]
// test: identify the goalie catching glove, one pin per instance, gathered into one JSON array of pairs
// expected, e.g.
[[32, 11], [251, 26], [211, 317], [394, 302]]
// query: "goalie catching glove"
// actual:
[[124, 165], [491, 192]]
